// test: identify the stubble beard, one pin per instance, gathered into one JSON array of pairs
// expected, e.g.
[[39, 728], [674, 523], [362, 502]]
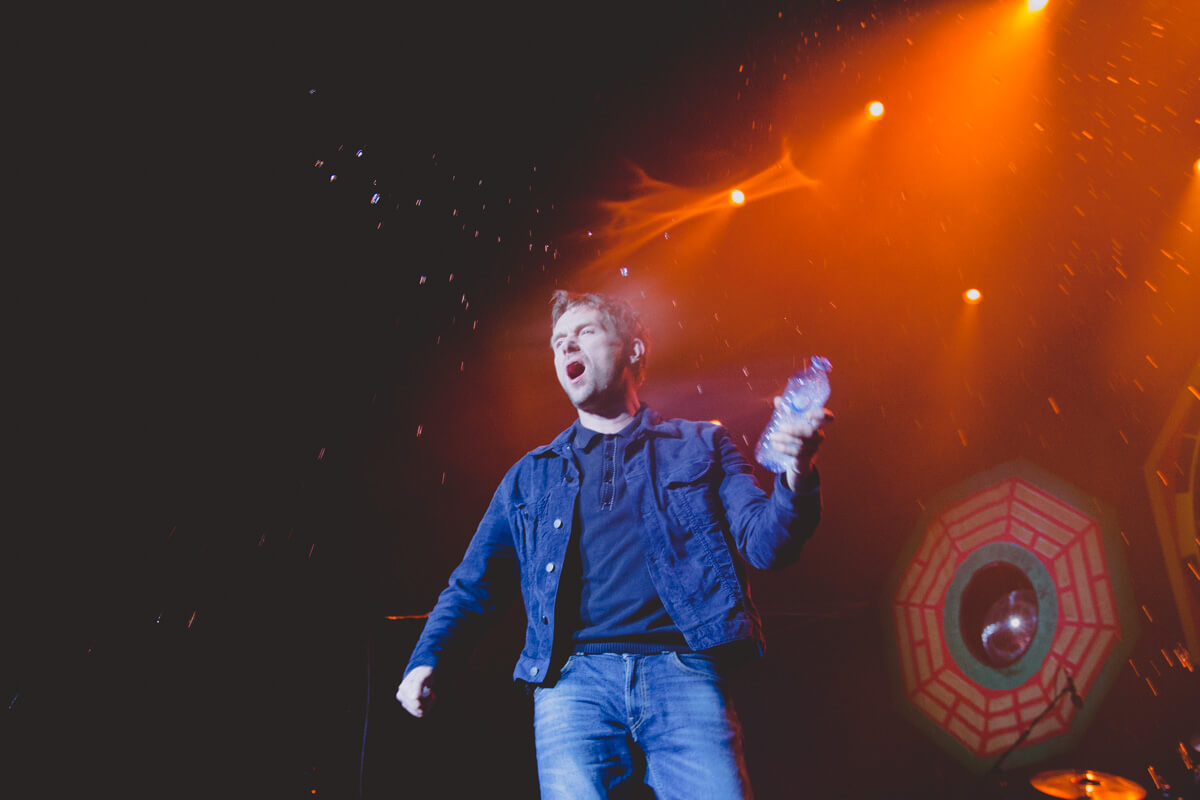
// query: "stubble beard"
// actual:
[[602, 401]]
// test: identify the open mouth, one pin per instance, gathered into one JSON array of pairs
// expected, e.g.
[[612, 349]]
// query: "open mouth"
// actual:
[[574, 370]]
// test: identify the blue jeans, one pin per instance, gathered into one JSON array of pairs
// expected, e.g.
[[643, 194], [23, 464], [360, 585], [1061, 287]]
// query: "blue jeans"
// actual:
[[614, 724]]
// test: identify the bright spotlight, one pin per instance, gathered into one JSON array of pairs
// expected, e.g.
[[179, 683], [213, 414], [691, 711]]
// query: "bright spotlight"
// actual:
[[973, 296], [875, 109], [1036, 5], [737, 197], [1198, 165]]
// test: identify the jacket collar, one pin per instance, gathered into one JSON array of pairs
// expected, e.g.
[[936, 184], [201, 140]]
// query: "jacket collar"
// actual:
[[649, 425]]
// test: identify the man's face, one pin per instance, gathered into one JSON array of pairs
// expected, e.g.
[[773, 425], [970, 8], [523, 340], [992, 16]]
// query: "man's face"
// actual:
[[589, 358]]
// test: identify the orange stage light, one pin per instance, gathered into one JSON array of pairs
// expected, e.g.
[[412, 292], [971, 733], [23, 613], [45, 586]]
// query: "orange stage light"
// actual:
[[658, 207], [1036, 5], [1198, 165], [973, 296], [875, 109]]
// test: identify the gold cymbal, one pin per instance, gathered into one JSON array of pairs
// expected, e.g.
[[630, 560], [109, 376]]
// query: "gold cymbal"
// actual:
[[1073, 784]]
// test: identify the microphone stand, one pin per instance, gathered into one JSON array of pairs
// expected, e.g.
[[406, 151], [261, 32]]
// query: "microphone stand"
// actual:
[[1067, 689]]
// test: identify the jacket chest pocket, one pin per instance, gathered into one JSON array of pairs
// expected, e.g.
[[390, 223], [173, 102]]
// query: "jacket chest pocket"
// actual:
[[546, 523], [694, 505], [690, 493], [529, 525]]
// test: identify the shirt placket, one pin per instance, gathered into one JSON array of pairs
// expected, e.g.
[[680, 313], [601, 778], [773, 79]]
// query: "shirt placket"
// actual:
[[608, 473]]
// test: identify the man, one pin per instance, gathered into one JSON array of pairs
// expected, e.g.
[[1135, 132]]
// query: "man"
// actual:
[[626, 536]]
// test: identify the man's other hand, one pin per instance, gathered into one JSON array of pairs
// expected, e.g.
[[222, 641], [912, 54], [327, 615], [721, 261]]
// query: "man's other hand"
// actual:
[[416, 691]]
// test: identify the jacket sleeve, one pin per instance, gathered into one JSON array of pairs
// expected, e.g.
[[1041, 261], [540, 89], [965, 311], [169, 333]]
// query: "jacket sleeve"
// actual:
[[769, 531], [485, 580]]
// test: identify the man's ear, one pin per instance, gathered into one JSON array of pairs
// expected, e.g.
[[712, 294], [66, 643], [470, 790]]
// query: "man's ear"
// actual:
[[639, 349]]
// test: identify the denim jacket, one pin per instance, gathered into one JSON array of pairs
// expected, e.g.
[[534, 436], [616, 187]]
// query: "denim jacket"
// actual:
[[704, 517]]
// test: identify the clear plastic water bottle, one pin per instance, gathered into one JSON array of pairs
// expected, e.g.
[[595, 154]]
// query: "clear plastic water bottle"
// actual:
[[805, 393]]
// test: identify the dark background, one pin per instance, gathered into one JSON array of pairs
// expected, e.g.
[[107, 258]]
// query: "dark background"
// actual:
[[257, 414]]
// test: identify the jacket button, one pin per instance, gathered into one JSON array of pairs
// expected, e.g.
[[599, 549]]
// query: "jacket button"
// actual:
[[558, 523], [533, 670], [550, 567], [545, 620]]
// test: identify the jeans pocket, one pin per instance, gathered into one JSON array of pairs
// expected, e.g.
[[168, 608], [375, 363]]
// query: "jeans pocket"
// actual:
[[571, 661], [697, 664]]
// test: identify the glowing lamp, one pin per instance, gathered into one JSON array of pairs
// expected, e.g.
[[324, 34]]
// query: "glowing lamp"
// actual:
[[1036, 5], [737, 197], [973, 296], [1009, 627], [875, 109]]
